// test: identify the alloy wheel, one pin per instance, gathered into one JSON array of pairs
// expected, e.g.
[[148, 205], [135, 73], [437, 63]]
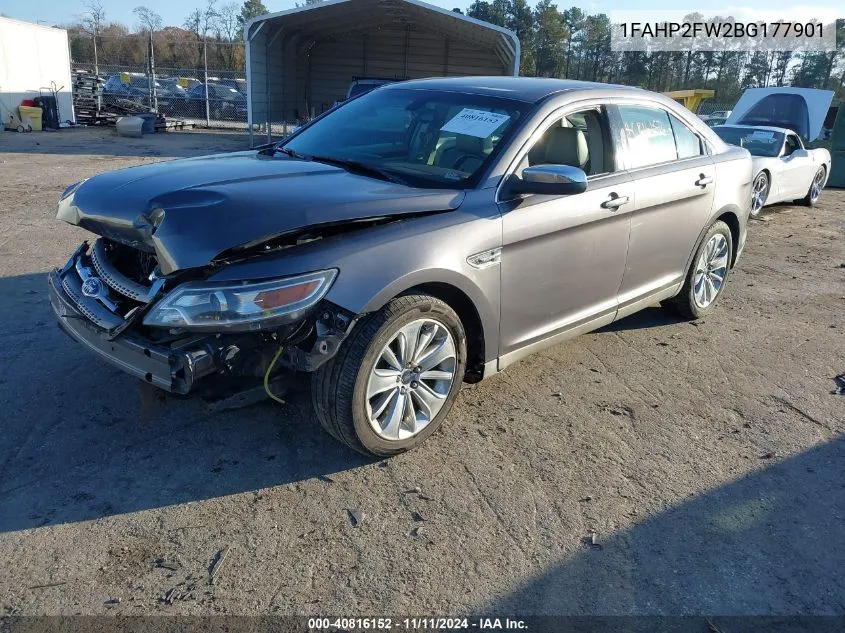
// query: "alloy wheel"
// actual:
[[758, 193], [411, 379], [816, 187], [710, 270]]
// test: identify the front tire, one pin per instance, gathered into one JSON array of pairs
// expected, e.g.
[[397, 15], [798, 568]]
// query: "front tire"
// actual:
[[759, 193], [707, 275], [815, 190], [394, 380]]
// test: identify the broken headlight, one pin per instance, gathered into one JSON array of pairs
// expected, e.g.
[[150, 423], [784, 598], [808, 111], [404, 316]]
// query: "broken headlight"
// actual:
[[239, 306]]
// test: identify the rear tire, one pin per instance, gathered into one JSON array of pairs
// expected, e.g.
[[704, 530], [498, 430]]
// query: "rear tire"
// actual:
[[815, 190], [702, 286], [349, 399]]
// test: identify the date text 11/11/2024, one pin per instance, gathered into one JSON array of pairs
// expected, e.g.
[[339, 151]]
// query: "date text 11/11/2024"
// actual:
[[415, 624]]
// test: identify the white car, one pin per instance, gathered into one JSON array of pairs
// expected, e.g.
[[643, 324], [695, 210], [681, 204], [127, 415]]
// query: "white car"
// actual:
[[770, 123]]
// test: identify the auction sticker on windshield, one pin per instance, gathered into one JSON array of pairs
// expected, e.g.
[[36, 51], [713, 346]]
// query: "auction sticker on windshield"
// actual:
[[475, 123]]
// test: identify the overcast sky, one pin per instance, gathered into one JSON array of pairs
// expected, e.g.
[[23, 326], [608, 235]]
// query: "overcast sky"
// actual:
[[174, 12]]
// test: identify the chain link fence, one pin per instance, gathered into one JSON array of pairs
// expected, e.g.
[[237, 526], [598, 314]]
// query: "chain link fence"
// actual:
[[201, 83], [709, 107]]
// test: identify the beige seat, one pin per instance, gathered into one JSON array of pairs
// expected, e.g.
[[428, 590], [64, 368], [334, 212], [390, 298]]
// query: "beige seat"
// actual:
[[566, 146]]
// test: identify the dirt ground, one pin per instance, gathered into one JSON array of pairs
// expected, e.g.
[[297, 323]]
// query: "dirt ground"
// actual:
[[706, 458]]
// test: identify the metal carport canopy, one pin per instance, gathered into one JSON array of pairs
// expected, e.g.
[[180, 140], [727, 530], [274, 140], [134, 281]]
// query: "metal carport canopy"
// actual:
[[301, 61]]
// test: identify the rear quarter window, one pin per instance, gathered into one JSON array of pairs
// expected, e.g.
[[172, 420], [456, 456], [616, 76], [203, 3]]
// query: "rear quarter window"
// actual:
[[687, 141]]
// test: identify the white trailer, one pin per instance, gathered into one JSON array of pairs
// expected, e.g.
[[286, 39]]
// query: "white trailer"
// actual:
[[34, 61]]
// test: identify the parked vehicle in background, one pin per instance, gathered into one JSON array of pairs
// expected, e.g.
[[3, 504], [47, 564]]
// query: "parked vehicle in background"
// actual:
[[237, 84], [422, 235], [714, 121], [719, 114], [773, 124], [172, 85], [223, 102], [135, 87], [188, 82], [783, 168]]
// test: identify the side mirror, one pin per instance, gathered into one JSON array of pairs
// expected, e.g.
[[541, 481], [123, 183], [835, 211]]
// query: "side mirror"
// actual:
[[550, 180], [800, 153]]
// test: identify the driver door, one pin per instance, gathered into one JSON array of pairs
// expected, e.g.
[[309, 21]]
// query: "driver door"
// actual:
[[798, 167], [563, 257]]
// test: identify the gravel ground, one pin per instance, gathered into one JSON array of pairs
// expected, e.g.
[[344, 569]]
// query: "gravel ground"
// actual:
[[653, 467]]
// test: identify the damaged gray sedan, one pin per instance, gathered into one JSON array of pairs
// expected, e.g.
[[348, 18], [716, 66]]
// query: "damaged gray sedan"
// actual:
[[423, 235]]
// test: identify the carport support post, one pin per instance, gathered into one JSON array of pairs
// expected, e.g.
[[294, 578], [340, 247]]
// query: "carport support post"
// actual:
[[205, 78]]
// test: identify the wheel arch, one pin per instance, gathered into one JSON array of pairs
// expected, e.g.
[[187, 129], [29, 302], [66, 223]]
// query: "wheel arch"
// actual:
[[461, 303], [730, 215], [770, 183], [732, 220], [478, 315]]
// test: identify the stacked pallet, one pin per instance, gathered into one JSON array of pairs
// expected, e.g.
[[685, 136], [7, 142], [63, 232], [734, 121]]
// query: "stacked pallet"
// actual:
[[86, 86]]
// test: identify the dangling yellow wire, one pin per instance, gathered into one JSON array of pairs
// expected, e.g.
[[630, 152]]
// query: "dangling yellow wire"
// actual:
[[267, 376]]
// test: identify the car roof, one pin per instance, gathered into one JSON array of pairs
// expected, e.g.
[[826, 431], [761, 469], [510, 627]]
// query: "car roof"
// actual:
[[767, 128], [530, 89]]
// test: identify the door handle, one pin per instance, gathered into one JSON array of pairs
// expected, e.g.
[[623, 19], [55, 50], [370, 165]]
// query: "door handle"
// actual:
[[614, 201], [703, 181]]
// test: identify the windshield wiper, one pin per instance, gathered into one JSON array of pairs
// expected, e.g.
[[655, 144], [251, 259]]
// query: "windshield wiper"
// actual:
[[290, 152], [361, 167]]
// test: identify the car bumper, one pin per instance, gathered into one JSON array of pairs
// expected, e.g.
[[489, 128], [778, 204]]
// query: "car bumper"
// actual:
[[175, 371]]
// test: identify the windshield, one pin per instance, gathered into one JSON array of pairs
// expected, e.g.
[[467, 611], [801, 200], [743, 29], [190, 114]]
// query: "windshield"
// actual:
[[427, 138], [758, 142]]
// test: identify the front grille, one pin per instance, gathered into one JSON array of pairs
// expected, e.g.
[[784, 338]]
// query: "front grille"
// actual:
[[116, 280], [101, 290], [91, 308]]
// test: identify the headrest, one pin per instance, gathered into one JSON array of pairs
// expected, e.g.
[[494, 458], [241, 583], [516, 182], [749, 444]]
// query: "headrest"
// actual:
[[566, 146]]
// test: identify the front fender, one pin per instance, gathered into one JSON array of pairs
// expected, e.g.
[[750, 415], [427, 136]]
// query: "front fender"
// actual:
[[379, 263], [473, 288]]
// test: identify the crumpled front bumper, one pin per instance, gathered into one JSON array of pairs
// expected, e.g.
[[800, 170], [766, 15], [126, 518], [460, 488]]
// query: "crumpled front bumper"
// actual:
[[175, 370]]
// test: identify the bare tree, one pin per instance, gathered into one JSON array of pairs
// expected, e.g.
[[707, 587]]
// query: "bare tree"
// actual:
[[227, 21], [228, 30], [148, 19], [203, 21], [92, 23], [93, 18]]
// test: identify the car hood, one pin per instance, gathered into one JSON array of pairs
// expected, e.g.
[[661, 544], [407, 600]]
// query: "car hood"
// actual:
[[802, 110], [190, 211]]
